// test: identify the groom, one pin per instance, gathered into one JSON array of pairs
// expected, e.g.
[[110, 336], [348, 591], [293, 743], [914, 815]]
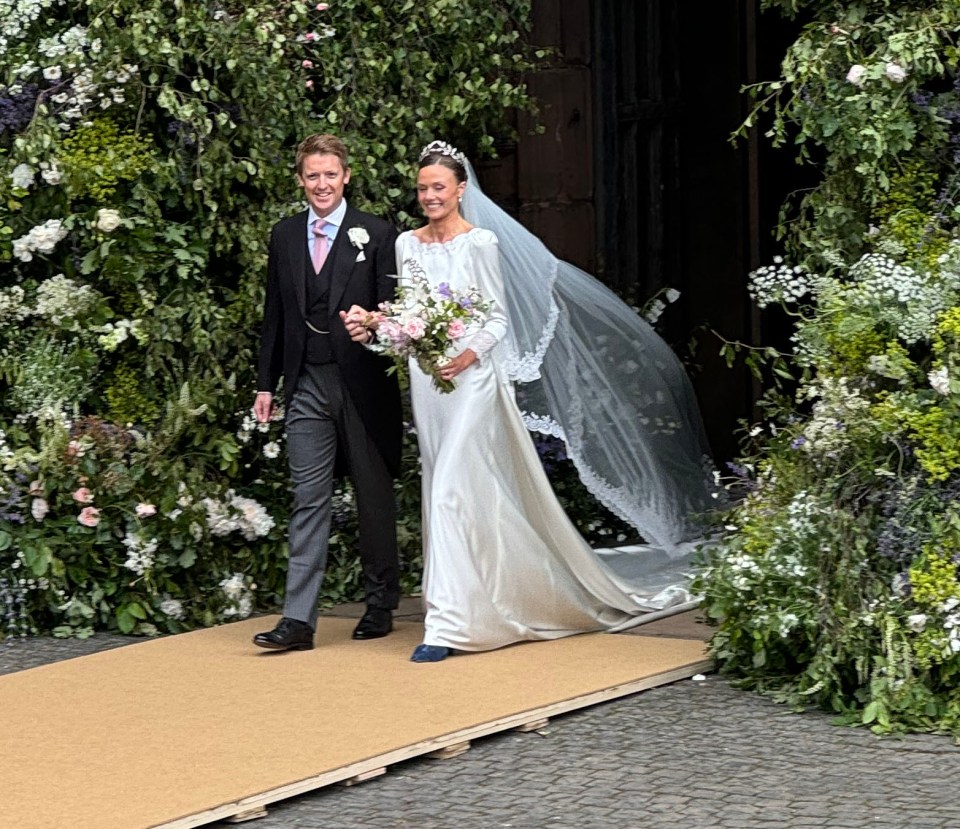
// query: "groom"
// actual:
[[343, 411]]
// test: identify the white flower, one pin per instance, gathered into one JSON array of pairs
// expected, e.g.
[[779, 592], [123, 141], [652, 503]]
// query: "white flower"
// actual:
[[22, 176], [145, 510], [108, 220], [39, 508], [856, 73], [172, 608], [940, 380], [52, 73], [672, 295], [917, 622], [272, 449], [895, 72], [52, 175], [358, 237]]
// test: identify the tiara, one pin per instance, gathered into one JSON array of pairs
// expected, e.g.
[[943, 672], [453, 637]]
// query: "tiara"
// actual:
[[443, 148]]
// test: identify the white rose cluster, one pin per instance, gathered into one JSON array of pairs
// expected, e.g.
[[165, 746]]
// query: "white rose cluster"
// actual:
[[237, 514], [239, 594], [779, 283], [22, 177], [40, 239]]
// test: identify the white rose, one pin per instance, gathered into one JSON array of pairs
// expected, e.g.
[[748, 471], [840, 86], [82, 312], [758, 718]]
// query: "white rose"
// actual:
[[940, 380], [39, 508], [895, 72], [917, 622], [856, 73], [108, 220], [52, 175], [22, 176], [358, 237], [22, 249]]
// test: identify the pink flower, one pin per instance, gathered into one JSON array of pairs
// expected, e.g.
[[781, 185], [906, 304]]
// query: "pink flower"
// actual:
[[322, 7], [83, 496], [414, 328], [456, 329], [309, 84], [89, 516], [310, 36], [145, 510], [307, 64]]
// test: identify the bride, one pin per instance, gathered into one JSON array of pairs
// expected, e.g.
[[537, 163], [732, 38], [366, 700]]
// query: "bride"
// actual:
[[502, 562]]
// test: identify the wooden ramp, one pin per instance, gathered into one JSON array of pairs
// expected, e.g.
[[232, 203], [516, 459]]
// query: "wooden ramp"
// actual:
[[186, 730]]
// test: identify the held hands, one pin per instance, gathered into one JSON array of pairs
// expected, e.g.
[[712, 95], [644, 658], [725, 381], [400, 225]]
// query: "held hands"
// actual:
[[455, 365], [360, 323]]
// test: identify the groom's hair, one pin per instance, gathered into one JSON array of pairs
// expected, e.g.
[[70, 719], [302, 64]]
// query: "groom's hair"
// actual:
[[322, 144]]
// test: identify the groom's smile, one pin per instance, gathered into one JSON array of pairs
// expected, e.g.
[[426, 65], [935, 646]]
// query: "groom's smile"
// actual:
[[323, 178]]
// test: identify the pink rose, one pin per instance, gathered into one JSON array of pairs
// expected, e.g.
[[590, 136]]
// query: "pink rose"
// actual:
[[307, 64], [89, 516], [309, 84], [414, 328], [456, 329], [83, 496], [322, 7], [145, 510]]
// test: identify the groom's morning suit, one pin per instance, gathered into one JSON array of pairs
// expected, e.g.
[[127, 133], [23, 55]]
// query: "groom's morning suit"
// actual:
[[343, 410]]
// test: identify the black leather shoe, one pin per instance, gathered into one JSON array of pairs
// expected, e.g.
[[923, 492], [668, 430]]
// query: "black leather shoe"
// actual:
[[376, 622], [288, 635]]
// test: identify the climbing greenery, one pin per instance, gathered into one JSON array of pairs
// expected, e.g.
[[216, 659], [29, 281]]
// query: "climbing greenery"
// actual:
[[837, 581], [145, 150]]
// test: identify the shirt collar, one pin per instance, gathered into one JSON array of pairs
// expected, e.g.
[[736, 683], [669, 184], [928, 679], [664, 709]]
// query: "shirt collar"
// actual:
[[335, 218]]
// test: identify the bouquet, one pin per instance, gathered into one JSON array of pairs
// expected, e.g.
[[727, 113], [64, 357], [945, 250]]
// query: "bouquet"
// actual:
[[425, 322]]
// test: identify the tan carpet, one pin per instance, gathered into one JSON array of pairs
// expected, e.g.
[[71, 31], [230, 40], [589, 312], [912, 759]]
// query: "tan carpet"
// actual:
[[157, 732]]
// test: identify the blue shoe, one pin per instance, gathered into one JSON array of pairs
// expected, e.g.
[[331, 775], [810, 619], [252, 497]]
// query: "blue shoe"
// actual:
[[429, 653]]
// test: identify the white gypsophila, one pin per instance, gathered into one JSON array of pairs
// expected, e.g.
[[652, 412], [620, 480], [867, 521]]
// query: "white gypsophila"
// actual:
[[108, 220], [837, 405], [60, 298], [895, 72], [172, 608], [13, 308], [140, 552], [788, 621], [778, 283], [22, 176], [940, 380], [16, 17]]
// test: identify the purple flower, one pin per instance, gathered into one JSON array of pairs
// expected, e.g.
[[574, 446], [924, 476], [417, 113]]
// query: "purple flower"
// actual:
[[798, 442], [444, 290]]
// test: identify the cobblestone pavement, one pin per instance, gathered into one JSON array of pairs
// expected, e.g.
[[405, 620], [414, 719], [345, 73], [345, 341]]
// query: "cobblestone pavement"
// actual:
[[691, 754]]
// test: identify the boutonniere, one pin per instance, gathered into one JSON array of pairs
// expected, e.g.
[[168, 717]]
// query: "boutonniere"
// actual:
[[358, 237]]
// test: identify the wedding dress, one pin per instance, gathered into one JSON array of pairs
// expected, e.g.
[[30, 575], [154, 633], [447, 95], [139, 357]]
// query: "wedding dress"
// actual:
[[502, 562]]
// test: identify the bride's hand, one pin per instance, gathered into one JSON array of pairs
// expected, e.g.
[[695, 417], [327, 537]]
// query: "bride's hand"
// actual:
[[455, 365]]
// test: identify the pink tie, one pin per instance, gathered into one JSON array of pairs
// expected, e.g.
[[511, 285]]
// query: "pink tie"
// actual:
[[321, 245]]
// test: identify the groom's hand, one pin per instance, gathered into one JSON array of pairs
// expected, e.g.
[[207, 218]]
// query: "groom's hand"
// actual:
[[263, 407], [355, 321]]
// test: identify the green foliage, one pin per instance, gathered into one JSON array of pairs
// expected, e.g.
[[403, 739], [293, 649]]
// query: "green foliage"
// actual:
[[861, 95], [155, 152], [837, 582]]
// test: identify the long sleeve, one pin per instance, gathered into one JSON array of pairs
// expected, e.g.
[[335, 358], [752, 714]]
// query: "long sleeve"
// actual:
[[485, 261], [270, 364]]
